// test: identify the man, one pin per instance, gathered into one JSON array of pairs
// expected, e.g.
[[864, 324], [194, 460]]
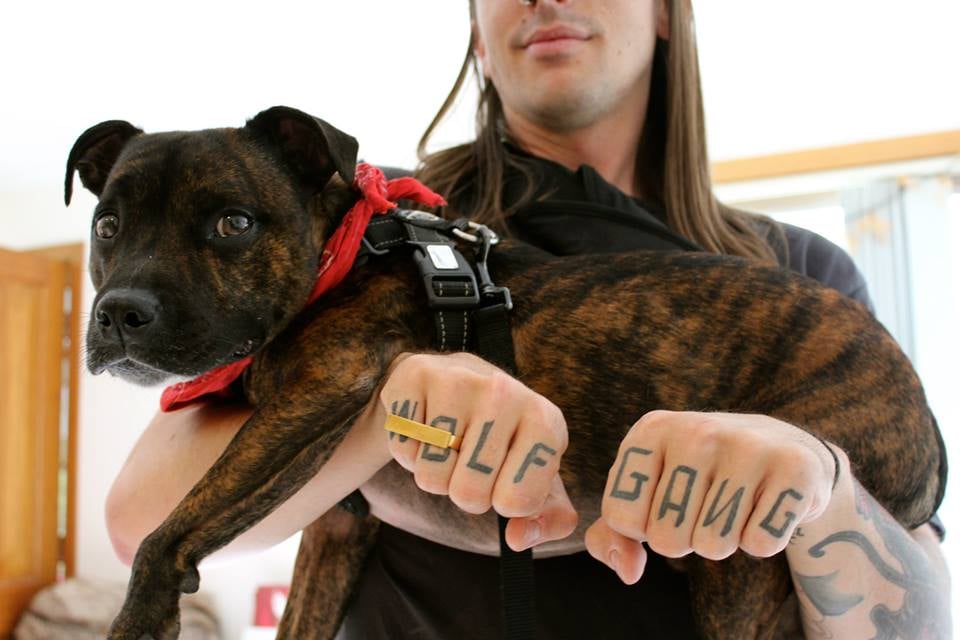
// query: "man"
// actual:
[[613, 86]]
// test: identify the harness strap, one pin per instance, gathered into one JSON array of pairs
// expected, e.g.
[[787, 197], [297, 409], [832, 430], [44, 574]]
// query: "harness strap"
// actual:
[[517, 581], [468, 316]]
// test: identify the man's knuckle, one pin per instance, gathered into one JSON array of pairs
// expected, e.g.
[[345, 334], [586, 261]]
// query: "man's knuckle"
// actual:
[[667, 541], [709, 428], [469, 495], [499, 387], [557, 425], [708, 544], [416, 365], [758, 543], [624, 521], [430, 482], [653, 424], [515, 502], [652, 419], [470, 500]]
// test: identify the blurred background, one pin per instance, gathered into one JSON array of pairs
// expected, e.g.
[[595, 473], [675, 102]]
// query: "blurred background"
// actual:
[[843, 117]]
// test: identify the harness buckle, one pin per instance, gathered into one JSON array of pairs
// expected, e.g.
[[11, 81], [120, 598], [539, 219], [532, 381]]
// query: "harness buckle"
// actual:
[[447, 277]]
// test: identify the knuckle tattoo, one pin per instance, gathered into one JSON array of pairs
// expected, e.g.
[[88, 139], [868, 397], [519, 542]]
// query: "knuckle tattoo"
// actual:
[[539, 455], [629, 483]]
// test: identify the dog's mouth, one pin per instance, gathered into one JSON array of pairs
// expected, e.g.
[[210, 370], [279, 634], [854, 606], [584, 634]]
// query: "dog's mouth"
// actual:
[[148, 369], [134, 371]]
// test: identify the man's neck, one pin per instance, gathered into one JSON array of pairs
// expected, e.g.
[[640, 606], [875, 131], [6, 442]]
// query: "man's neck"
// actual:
[[608, 145]]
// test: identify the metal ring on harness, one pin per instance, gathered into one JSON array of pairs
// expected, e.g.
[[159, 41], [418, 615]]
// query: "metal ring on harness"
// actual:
[[469, 237]]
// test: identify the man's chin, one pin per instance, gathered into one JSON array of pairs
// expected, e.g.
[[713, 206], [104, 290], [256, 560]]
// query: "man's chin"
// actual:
[[560, 107]]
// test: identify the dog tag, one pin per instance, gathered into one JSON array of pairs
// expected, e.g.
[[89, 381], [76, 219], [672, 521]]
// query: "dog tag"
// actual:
[[441, 256]]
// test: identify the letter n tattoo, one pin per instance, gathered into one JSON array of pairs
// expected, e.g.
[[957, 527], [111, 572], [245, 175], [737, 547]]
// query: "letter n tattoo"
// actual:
[[733, 504], [679, 507], [640, 478]]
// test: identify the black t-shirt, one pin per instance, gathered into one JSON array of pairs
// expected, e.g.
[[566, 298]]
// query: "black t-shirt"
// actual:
[[418, 589]]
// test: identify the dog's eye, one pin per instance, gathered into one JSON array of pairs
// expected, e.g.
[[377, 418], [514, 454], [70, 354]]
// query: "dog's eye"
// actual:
[[107, 226], [234, 225]]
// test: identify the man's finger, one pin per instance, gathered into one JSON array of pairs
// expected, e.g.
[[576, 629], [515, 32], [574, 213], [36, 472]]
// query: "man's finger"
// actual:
[[556, 520], [624, 555]]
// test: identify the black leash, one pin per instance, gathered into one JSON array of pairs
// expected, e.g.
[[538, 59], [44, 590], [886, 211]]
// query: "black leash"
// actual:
[[467, 313], [495, 345]]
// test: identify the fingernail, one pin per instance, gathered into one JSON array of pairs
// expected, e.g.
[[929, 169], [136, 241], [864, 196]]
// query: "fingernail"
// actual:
[[615, 561], [532, 534]]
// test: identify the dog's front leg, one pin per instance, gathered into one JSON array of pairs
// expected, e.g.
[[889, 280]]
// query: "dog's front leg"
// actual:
[[274, 454], [332, 553]]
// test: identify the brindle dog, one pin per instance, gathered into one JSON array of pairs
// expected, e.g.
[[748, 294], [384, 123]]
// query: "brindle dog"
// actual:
[[205, 246]]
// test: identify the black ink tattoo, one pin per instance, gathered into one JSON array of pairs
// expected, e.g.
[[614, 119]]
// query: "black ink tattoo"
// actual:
[[925, 609], [404, 412], [443, 422], [733, 504], [679, 507], [796, 535], [825, 596], [533, 458], [473, 463], [789, 516], [640, 478]]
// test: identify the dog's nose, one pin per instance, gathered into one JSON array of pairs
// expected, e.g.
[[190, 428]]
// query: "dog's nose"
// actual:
[[127, 312]]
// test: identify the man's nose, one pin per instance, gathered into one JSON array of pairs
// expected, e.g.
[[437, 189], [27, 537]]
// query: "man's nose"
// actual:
[[129, 315]]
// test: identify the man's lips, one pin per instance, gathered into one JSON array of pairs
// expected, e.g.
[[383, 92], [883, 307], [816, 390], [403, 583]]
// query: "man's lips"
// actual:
[[555, 41], [551, 34]]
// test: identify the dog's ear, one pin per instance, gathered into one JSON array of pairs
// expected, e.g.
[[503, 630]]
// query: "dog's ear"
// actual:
[[94, 153], [313, 148]]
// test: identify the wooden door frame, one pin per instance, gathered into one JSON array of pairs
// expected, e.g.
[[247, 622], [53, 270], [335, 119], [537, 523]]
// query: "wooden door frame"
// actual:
[[71, 255], [887, 151]]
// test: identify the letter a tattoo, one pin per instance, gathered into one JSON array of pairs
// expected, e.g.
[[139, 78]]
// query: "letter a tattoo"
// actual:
[[679, 507]]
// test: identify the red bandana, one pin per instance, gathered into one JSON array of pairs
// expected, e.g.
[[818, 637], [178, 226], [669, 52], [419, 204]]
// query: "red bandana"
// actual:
[[339, 252]]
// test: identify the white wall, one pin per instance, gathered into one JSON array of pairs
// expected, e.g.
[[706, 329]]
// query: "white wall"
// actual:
[[777, 76]]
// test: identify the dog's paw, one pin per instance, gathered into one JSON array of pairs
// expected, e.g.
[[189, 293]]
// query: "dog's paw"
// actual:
[[151, 610], [153, 618]]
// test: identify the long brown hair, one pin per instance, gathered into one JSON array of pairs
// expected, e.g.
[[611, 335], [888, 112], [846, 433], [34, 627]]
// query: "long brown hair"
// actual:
[[673, 168]]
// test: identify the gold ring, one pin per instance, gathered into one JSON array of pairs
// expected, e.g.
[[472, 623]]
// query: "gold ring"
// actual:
[[422, 432]]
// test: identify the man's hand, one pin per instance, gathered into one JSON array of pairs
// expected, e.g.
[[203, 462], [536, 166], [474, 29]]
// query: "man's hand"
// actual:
[[708, 483], [512, 441]]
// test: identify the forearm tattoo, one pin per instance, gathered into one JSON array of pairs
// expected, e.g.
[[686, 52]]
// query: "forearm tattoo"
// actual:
[[924, 612]]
